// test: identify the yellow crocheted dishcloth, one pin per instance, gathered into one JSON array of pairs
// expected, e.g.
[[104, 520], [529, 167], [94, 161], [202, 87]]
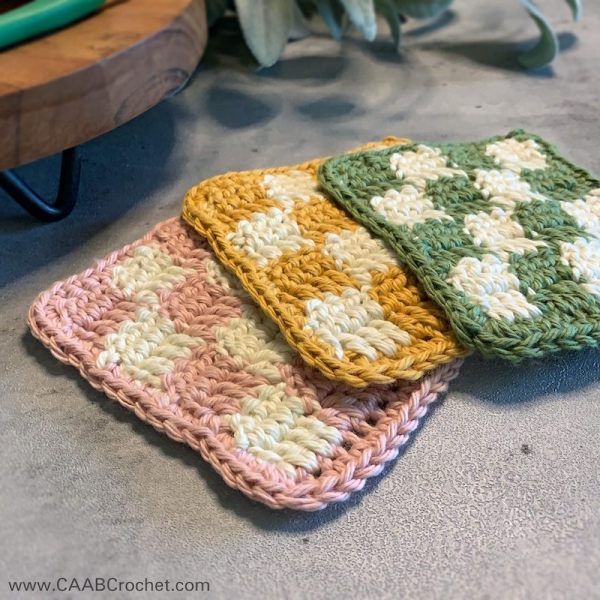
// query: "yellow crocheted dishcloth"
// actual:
[[339, 296]]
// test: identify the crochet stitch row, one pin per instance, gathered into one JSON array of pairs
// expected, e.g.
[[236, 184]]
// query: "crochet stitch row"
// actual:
[[161, 328], [339, 296], [504, 234]]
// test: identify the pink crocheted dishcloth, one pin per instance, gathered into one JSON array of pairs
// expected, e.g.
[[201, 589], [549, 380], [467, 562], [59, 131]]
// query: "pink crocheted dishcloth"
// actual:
[[162, 329]]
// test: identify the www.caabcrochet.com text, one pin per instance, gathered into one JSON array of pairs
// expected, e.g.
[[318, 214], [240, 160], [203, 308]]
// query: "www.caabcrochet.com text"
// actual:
[[108, 584]]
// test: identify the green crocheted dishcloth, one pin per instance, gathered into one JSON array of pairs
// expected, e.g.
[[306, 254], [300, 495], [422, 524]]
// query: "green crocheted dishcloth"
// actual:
[[502, 233]]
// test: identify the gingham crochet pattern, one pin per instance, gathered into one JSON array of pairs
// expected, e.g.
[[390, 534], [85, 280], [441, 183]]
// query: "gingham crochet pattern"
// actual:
[[339, 296], [503, 234], [159, 327]]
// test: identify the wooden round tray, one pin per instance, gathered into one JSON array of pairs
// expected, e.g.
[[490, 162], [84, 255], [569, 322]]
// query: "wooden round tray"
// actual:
[[70, 86]]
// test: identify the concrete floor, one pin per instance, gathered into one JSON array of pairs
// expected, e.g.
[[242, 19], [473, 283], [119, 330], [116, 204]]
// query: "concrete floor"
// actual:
[[498, 495]]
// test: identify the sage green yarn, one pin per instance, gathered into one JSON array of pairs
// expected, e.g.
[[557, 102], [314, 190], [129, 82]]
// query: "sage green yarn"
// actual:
[[504, 234]]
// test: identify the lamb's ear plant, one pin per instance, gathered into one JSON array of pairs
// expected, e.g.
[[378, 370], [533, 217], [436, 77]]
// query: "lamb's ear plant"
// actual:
[[267, 25]]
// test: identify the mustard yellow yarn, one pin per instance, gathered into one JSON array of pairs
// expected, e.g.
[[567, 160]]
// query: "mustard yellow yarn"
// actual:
[[339, 296]]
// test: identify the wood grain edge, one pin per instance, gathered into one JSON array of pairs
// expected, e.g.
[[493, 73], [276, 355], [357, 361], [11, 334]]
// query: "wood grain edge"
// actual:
[[88, 102]]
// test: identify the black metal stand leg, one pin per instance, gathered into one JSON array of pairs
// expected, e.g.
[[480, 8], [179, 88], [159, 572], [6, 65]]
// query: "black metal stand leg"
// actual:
[[37, 206]]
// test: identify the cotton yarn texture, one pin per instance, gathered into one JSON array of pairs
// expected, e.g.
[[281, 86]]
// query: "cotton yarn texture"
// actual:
[[503, 234], [338, 294], [160, 327]]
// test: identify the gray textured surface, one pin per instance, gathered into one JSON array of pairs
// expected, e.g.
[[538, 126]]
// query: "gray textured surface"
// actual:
[[498, 495]]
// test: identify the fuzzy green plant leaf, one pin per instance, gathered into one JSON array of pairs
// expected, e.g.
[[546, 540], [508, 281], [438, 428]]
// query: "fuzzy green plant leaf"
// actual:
[[545, 51], [390, 13], [300, 28], [266, 26], [575, 6], [331, 17], [362, 15], [215, 9], [422, 9]]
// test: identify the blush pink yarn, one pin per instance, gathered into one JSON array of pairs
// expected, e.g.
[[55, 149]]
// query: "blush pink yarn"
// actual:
[[154, 327]]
